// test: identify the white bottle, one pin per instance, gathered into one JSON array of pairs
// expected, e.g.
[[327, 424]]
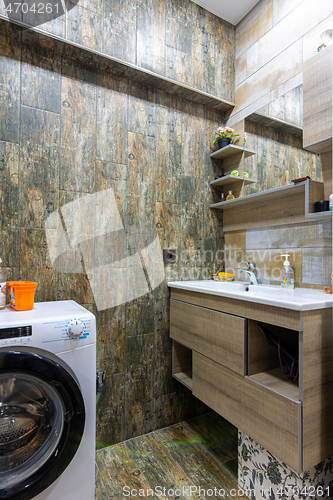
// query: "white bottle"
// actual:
[[287, 282], [331, 201], [2, 289]]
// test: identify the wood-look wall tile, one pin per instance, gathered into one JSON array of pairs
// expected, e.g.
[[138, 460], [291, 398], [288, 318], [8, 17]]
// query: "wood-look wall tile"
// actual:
[[119, 29], [55, 26], [40, 80], [317, 265], [225, 79], [168, 152], [197, 57], [39, 166], [168, 225], [34, 265], [9, 166], [151, 35], [93, 5], [80, 70], [209, 64], [78, 135], [72, 285], [110, 355], [177, 67], [235, 239], [139, 385], [112, 106], [142, 110], [141, 180], [178, 26], [162, 324], [112, 175], [192, 139], [166, 410], [110, 417], [192, 190], [254, 27], [163, 381], [9, 92], [140, 315], [84, 27], [203, 19]]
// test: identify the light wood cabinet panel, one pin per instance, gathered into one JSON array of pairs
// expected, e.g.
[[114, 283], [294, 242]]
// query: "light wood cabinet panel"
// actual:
[[317, 102], [219, 336], [238, 374], [271, 419]]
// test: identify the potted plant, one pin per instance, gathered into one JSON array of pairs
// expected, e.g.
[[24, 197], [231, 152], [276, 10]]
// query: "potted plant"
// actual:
[[224, 136]]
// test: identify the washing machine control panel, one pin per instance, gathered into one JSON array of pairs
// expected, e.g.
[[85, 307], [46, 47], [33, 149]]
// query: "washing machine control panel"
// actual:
[[75, 328]]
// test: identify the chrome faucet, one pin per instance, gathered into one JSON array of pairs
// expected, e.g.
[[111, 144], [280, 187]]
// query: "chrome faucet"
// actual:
[[249, 271]]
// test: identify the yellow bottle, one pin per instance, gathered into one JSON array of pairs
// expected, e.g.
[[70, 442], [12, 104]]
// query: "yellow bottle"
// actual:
[[230, 196]]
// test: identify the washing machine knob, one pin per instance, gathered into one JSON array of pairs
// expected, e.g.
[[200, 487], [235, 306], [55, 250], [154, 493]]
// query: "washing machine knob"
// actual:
[[75, 328]]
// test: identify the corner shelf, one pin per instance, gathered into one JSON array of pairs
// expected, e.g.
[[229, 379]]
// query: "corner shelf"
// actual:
[[231, 150], [283, 205], [276, 123], [231, 179]]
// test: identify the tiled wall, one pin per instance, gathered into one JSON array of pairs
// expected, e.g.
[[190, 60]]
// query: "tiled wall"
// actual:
[[272, 42], [279, 159], [67, 131], [177, 39]]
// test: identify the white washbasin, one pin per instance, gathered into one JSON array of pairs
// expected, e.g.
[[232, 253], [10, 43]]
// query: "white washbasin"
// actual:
[[299, 299]]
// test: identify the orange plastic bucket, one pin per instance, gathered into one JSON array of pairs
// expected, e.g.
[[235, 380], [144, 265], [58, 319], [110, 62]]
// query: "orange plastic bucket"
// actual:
[[21, 294]]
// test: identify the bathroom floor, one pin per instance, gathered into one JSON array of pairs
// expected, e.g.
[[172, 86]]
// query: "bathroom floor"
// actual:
[[172, 463]]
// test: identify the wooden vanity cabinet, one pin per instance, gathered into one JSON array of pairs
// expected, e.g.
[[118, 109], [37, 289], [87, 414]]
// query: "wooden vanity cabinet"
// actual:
[[220, 353]]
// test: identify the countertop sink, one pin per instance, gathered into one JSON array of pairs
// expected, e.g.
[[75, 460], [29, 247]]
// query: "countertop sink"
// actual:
[[299, 299]]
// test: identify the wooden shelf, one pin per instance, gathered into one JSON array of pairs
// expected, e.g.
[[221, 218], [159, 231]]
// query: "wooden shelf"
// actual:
[[276, 123], [40, 38], [282, 205], [184, 378], [231, 150], [276, 381], [231, 179]]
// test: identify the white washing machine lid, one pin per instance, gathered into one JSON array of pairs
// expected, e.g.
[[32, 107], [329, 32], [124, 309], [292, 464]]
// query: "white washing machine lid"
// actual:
[[54, 326]]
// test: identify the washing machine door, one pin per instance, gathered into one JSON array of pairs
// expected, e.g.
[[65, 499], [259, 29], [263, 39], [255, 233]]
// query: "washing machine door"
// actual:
[[42, 419]]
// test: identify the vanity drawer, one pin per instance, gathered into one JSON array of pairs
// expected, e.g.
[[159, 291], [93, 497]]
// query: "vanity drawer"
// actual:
[[217, 335], [271, 419]]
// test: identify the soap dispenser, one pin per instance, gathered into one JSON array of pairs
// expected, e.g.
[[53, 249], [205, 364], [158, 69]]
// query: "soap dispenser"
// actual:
[[287, 274]]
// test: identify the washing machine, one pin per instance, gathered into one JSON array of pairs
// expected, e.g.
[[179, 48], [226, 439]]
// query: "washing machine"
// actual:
[[47, 402]]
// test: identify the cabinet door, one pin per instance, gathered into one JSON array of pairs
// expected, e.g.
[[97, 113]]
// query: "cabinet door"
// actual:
[[317, 102], [218, 336], [274, 421]]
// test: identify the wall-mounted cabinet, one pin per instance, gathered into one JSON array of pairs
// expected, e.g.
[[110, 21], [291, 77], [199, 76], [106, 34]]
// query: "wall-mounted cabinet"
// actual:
[[284, 205], [317, 102]]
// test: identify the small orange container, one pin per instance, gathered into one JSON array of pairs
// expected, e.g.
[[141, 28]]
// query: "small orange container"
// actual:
[[21, 294]]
